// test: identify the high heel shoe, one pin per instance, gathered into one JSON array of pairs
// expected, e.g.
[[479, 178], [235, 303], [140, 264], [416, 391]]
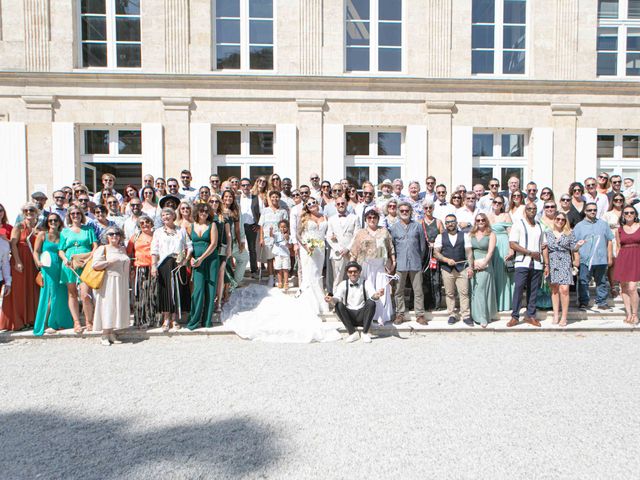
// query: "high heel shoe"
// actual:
[[114, 339]]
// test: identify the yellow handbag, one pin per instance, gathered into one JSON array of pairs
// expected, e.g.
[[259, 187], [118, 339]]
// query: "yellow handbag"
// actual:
[[91, 277]]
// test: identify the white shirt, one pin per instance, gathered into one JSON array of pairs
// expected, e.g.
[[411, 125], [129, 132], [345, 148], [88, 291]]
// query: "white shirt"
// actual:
[[532, 241], [5, 267], [440, 211], [463, 214], [188, 193], [485, 204], [164, 245], [602, 202], [453, 239], [98, 197], [246, 215], [355, 300]]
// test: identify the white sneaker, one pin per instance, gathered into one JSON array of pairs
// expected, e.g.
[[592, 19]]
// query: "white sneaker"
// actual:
[[271, 281], [353, 337], [366, 338]]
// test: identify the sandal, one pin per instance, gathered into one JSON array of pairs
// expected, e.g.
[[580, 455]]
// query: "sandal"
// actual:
[[632, 321], [89, 327], [563, 323], [165, 327], [77, 329]]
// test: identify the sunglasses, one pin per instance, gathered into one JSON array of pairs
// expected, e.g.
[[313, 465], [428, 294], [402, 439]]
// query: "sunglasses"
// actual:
[[456, 197], [367, 193], [618, 200], [431, 183], [392, 205], [443, 192], [591, 210], [498, 202], [75, 214], [560, 219], [113, 234], [245, 185], [606, 177], [516, 195], [295, 194], [547, 207], [135, 205], [492, 185], [449, 222], [616, 182], [565, 199], [577, 190], [589, 185], [353, 272], [629, 213], [315, 178], [83, 200], [480, 220], [312, 204], [185, 176], [340, 204], [59, 198], [337, 190], [52, 220], [404, 210], [531, 209], [214, 201]]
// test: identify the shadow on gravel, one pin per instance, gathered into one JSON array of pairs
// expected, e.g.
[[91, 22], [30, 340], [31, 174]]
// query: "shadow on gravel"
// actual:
[[38, 445]]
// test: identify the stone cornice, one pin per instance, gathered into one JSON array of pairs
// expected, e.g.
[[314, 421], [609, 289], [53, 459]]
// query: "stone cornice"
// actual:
[[310, 104], [565, 109], [435, 108], [39, 102], [177, 103], [209, 82]]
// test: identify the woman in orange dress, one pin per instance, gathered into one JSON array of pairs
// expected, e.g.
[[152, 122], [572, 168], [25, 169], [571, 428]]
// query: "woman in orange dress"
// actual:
[[19, 307]]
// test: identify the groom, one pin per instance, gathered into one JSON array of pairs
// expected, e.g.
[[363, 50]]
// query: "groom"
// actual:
[[353, 306]]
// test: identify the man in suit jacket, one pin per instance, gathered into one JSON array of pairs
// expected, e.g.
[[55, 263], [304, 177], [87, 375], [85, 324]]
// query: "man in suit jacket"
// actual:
[[340, 232], [410, 245]]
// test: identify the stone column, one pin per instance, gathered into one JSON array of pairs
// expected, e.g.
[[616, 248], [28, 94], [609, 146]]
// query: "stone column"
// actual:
[[439, 117], [37, 34], [564, 120], [566, 39], [176, 118], [439, 37], [40, 111], [310, 36], [176, 36], [310, 121]]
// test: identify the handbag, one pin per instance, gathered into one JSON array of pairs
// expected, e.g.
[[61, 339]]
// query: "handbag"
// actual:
[[39, 280], [510, 265], [91, 277]]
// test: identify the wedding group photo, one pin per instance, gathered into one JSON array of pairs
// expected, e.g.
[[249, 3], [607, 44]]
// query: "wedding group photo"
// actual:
[[329, 239]]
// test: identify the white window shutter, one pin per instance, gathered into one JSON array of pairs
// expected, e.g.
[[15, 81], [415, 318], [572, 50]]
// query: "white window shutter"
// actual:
[[152, 149], [63, 149], [286, 150], [333, 152], [462, 157], [13, 138], [201, 161], [416, 153], [542, 157], [586, 153]]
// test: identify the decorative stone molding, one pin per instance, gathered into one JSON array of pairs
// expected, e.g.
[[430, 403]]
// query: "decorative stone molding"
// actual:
[[310, 37], [176, 35], [566, 109], [440, 108], [39, 102], [177, 103], [37, 34], [311, 104]]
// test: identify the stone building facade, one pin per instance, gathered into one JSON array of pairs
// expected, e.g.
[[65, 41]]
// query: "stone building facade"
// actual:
[[460, 89]]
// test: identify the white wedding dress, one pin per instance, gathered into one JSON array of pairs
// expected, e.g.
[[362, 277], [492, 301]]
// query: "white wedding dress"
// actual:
[[266, 314]]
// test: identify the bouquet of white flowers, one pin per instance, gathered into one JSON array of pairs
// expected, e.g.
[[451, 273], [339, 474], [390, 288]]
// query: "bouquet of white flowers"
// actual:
[[312, 244]]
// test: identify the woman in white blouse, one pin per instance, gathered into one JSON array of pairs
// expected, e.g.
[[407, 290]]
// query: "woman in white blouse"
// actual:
[[170, 249]]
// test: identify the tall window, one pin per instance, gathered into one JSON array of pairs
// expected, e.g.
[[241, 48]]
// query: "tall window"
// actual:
[[618, 38], [243, 152], [110, 33], [373, 35], [498, 37], [244, 34], [619, 154], [499, 155], [373, 155]]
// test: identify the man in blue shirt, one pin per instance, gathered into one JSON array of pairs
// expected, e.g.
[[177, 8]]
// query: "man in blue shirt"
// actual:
[[593, 257]]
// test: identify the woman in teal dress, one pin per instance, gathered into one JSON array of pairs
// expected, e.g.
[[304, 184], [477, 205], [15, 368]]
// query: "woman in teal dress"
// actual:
[[204, 265], [77, 242], [503, 278], [53, 309], [483, 292]]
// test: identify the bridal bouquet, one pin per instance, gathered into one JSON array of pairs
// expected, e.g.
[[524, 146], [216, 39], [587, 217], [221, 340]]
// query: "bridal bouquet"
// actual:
[[313, 243]]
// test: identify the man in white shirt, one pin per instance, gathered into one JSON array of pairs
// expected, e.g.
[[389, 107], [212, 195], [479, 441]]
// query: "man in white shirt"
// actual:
[[386, 188], [108, 181], [591, 195], [173, 188], [466, 215], [485, 204], [130, 226], [532, 196], [398, 185], [367, 204], [316, 191], [526, 240], [355, 301], [341, 229], [453, 250], [286, 193], [188, 192], [441, 207]]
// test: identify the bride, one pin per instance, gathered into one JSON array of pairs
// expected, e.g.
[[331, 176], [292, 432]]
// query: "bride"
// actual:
[[270, 315]]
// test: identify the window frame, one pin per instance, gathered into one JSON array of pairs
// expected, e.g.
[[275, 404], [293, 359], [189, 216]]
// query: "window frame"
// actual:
[[244, 160], [497, 161], [622, 24], [375, 47], [110, 19], [374, 161], [244, 41], [113, 156], [618, 163], [498, 45]]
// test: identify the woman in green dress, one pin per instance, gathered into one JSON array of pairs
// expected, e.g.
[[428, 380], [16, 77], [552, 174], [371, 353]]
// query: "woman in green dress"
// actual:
[[483, 292], [53, 309], [503, 278], [204, 265], [223, 225], [77, 243]]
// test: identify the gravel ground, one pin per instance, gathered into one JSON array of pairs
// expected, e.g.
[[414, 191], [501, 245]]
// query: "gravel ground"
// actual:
[[433, 406]]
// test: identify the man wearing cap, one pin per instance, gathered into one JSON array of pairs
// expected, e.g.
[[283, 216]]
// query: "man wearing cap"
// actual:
[[355, 303], [40, 199], [386, 187]]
